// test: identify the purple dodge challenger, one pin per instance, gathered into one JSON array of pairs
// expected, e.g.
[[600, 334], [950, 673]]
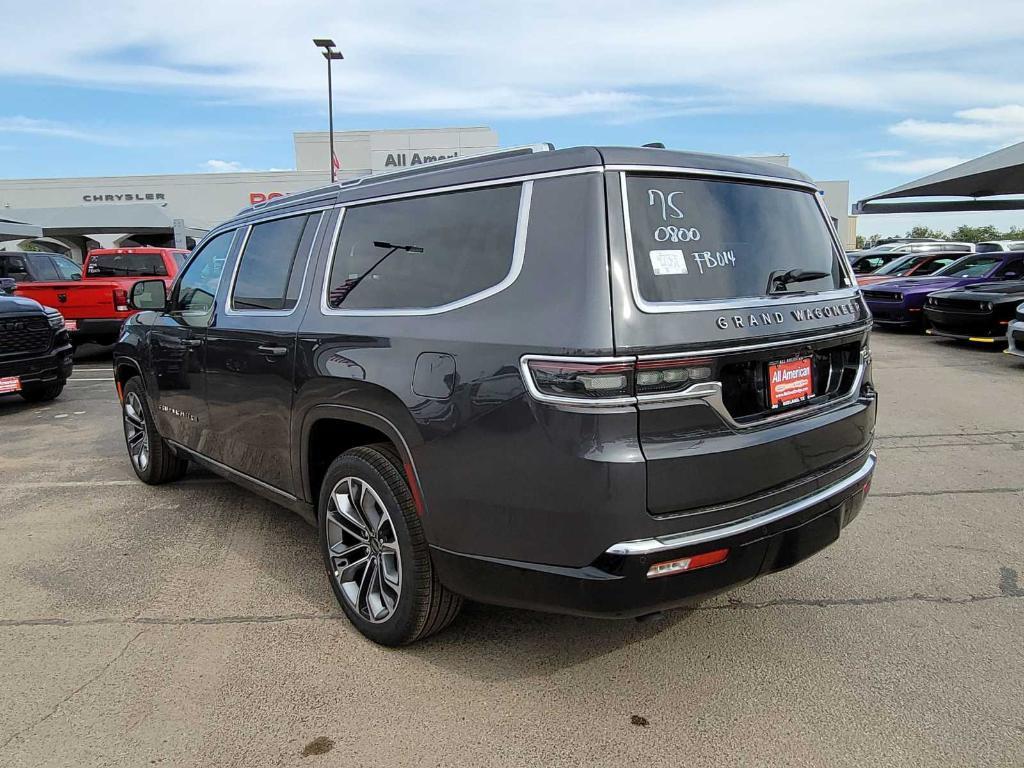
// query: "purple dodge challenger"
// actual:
[[899, 302]]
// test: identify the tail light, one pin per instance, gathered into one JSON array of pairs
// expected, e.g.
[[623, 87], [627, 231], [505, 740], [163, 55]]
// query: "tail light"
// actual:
[[610, 381], [121, 300]]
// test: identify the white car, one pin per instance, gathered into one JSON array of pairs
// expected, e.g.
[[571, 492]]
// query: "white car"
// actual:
[[995, 246], [1015, 334]]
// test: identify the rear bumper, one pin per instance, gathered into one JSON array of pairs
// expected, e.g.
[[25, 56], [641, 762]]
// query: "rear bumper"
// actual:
[[41, 369], [98, 328], [895, 317], [616, 585]]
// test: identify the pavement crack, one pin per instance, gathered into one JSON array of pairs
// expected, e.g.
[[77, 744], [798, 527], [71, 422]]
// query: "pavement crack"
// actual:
[[739, 604], [954, 491], [75, 692], [168, 621]]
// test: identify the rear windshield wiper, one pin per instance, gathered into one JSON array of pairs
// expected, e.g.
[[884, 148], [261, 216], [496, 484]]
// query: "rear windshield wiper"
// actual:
[[779, 279], [339, 294]]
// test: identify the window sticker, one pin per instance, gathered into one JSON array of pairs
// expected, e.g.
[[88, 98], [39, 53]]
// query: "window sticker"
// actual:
[[668, 262]]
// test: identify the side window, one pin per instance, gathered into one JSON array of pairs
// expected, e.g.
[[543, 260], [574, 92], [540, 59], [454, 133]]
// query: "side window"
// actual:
[[198, 285], [270, 269], [43, 268], [66, 268], [424, 252], [1013, 269], [935, 265]]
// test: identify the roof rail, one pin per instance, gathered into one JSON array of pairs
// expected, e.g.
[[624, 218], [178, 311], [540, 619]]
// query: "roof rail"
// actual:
[[373, 178], [493, 154]]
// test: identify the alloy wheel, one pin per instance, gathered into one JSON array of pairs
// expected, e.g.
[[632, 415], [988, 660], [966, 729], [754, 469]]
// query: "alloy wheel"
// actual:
[[135, 432], [364, 549]]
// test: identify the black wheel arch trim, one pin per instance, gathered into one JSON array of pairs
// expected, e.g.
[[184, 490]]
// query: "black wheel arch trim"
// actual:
[[367, 418]]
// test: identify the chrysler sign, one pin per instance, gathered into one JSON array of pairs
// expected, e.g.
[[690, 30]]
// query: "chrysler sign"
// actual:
[[126, 197]]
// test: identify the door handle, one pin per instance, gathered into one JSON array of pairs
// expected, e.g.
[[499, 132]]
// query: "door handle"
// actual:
[[272, 351], [191, 342]]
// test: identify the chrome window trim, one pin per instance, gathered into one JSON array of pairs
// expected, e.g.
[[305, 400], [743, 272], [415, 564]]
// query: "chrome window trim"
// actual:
[[172, 295], [579, 402], [497, 182], [735, 175], [749, 302], [230, 297], [238, 222], [691, 538], [515, 268], [286, 199]]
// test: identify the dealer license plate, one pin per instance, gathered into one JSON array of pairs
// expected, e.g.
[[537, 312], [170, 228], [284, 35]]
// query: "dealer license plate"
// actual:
[[71, 325], [9, 384], [790, 382]]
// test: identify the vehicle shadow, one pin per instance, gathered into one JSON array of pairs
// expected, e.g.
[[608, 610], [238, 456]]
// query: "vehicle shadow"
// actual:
[[486, 643], [489, 643]]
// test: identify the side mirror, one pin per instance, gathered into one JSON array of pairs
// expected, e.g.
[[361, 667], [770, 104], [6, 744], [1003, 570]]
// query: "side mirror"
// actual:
[[7, 286], [148, 294]]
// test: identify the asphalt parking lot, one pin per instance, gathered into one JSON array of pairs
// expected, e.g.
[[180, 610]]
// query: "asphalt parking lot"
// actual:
[[191, 624]]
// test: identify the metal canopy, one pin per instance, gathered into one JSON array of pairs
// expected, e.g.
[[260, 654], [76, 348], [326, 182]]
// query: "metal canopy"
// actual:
[[11, 229], [141, 219], [998, 173]]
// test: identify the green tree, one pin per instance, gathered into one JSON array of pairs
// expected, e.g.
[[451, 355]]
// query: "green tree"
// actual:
[[920, 231], [968, 234]]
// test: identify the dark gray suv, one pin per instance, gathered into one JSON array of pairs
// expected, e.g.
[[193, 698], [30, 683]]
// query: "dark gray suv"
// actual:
[[600, 381]]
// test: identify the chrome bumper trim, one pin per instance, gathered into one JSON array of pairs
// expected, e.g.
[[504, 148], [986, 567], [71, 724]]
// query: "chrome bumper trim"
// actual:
[[676, 540]]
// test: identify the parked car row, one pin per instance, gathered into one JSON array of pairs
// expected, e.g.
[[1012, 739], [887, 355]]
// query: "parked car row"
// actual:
[[977, 297]]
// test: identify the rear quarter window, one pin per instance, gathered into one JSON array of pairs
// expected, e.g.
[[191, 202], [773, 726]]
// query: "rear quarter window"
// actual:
[[424, 252], [697, 239]]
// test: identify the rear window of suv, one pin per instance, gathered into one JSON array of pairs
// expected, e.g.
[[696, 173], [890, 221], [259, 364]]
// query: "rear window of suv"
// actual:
[[696, 239]]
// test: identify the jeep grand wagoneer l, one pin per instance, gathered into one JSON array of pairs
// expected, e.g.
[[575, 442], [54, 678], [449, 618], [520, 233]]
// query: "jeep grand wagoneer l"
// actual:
[[600, 381]]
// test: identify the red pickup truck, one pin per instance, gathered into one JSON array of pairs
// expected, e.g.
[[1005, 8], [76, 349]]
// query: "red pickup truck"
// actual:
[[95, 305]]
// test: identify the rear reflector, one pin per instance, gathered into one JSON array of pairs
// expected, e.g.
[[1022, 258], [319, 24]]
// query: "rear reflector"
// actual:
[[686, 564]]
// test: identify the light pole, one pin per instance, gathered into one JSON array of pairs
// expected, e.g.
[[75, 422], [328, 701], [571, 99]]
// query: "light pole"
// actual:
[[330, 54]]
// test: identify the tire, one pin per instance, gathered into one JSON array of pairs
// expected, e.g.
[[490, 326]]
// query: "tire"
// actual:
[[366, 552], [151, 457], [43, 392]]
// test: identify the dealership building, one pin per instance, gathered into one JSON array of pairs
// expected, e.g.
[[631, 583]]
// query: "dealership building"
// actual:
[[178, 208]]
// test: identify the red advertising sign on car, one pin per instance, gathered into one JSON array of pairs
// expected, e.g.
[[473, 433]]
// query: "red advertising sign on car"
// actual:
[[790, 382]]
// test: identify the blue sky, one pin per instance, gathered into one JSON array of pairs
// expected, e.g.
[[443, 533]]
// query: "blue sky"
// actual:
[[875, 92]]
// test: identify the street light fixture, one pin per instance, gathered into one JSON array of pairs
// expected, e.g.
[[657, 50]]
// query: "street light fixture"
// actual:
[[331, 54]]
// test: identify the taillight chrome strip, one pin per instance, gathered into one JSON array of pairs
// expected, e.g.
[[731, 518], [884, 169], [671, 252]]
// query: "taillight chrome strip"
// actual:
[[690, 538], [858, 330]]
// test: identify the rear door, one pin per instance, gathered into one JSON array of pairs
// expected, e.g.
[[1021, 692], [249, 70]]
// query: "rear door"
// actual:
[[748, 334], [251, 349], [177, 347]]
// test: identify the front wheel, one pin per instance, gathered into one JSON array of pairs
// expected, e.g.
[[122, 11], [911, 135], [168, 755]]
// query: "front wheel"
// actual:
[[150, 455], [376, 555]]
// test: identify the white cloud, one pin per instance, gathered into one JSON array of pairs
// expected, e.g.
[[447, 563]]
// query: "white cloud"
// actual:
[[223, 166], [233, 166], [879, 153], [622, 61], [35, 127], [988, 124], [916, 166]]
